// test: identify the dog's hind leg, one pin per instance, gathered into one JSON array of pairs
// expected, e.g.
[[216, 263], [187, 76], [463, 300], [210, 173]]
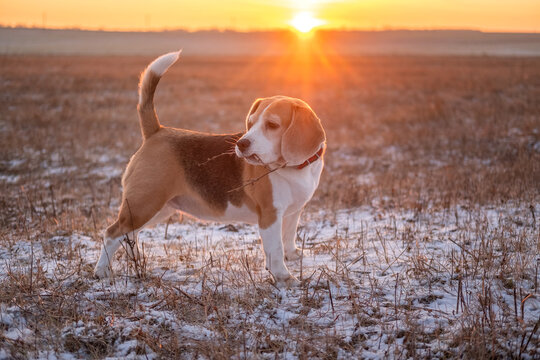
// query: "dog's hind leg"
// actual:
[[132, 247], [111, 243], [162, 215], [135, 213], [132, 242]]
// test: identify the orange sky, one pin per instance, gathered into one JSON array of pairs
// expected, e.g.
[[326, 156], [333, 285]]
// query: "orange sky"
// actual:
[[487, 15]]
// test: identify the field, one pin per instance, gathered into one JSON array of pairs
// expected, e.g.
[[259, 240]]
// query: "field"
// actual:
[[422, 240], [19, 41]]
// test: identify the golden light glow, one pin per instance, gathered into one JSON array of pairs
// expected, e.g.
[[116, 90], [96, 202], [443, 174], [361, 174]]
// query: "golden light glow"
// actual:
[[305, 22], [247, 15]]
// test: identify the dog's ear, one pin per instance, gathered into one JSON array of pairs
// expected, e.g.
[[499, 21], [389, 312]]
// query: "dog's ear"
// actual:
[[253, 108], [303, 137]]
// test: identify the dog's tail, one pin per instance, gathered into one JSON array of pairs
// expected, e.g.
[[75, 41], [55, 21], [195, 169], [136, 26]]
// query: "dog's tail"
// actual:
[[147, 86]]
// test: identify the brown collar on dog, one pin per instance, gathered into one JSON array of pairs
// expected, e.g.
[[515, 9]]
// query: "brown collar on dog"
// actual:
[[311, 159]]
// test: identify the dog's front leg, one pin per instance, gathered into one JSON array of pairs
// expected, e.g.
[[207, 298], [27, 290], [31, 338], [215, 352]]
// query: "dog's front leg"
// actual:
[[290, 224], [273, 250]]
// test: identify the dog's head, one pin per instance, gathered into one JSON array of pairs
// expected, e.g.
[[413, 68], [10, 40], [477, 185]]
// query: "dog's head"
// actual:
[[280, 130]]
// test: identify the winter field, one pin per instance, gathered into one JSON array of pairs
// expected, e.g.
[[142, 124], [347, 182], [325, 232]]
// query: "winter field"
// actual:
[[421, 242]]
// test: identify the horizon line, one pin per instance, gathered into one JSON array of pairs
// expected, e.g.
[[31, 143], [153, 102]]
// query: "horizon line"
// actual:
[[260, 30]]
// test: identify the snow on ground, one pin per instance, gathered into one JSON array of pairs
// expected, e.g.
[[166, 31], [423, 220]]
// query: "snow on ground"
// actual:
[[380, 282]]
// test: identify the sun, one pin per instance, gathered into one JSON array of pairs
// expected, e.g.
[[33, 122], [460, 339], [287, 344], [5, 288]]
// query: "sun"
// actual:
[[305, 22]]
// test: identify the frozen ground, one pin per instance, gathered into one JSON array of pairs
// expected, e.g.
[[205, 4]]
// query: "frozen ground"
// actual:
[[376, 284], [421, 241]]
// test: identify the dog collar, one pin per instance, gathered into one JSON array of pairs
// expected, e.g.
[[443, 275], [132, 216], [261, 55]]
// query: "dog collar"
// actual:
[[312, 159]]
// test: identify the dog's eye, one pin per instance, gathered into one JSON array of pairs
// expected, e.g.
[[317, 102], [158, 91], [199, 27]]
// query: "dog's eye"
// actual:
[[272, 125]]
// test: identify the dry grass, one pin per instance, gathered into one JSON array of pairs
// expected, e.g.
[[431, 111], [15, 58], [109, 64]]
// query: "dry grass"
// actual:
[[429, 197]]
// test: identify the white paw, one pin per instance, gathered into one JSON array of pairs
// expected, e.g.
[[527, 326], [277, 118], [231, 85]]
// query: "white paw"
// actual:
[[289, 282], [102, 272], [295, 254]]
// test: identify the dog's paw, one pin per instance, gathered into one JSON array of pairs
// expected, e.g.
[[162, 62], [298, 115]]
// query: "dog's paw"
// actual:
[[102, 272], [293, 255], [287, 283]]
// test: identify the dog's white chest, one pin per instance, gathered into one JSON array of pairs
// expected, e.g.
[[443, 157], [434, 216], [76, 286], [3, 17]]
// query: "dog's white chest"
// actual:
[[293, 188]]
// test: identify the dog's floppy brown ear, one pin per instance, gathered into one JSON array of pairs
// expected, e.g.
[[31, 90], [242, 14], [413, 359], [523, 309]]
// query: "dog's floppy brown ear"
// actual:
[[303, 137], [253, 108]]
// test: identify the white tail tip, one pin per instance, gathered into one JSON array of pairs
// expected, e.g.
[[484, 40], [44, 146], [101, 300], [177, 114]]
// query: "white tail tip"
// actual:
[[164, 62]]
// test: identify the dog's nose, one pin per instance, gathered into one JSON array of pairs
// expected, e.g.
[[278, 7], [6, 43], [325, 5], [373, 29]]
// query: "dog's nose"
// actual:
[[243, 144]]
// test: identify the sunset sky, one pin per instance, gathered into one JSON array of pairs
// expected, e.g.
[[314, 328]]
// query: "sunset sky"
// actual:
[[487, 15]]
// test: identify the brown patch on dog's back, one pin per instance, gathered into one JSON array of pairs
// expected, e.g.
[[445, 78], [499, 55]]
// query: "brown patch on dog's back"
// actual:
[[212, 178]]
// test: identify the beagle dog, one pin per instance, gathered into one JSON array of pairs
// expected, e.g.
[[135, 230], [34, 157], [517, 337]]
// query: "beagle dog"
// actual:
[[264, 176]]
